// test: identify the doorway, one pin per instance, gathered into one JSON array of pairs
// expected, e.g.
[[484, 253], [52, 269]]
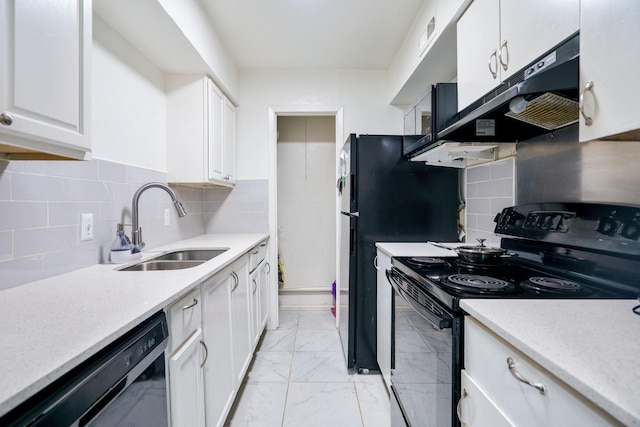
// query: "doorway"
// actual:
[[303, 152]]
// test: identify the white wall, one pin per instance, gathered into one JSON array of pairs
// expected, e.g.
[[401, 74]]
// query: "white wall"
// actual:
[[128, 103], [307, 200], [361, 93]]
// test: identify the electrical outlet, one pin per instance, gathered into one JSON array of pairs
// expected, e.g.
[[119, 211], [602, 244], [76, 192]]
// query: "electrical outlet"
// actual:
[[167, 217], [86, 227]]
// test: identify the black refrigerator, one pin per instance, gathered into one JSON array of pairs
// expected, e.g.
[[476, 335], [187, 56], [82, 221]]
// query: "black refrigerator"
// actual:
[[384, 197]]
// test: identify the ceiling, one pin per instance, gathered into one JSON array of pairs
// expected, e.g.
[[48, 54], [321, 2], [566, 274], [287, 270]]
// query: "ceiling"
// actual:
[[302, 34]]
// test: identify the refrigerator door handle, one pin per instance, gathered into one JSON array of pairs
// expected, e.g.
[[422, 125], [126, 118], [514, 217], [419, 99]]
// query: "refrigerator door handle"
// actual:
[[351, 214]]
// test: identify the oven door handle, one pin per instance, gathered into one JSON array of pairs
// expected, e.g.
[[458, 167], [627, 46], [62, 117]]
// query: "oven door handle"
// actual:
[[435, 320]]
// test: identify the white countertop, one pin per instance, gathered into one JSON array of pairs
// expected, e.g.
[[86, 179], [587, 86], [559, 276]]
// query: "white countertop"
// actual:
[[50, 326], [592, 345], [417, 249]]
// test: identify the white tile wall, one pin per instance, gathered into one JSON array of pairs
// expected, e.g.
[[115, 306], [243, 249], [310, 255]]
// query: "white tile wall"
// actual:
[[490, 187], [241, 210], [41, 203]]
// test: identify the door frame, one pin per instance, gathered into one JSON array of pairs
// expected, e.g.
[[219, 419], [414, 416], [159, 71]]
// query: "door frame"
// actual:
[[294, 110]]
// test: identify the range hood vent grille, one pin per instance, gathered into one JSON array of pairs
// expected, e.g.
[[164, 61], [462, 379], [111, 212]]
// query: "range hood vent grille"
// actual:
[[548, 111]]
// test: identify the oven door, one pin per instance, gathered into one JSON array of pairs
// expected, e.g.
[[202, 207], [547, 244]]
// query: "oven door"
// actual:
[[425, 373]]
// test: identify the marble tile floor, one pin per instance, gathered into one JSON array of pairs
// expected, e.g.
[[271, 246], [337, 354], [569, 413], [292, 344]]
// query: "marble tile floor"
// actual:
[[298, 377]]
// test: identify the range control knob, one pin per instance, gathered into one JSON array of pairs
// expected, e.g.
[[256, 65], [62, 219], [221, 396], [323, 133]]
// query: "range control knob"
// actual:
[[606, 226], [631, 229]]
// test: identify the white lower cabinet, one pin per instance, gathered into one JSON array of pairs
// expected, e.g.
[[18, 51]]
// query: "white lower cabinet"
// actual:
[[186, 389], [254, 287], [265, 271], [384, 309], [509, 400], [187, 353], [219, 382], [210, 347], [241, 319]]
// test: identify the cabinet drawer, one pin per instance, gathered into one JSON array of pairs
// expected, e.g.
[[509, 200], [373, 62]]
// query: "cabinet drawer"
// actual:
[[257, 255], [184, 318], [485, 359]]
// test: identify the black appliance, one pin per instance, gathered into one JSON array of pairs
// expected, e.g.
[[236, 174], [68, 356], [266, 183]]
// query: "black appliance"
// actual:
[[539, 98], [384, 198], [124, 384], [556, 250], [444, 108]]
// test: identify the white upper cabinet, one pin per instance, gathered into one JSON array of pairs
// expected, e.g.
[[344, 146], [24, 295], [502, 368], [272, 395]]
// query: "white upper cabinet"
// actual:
[[45, 79], [200, 132], [609, 47], [497, 38]]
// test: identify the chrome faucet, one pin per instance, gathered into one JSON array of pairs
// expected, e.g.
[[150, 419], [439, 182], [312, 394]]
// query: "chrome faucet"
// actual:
[[136, 234]]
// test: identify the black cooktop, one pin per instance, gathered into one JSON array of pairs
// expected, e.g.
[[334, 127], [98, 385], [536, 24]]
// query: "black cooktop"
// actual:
[[450, 279]]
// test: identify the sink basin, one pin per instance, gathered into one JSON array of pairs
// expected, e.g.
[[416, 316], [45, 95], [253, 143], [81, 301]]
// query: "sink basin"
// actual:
[[153, 265], [176, 260], [191, 255]]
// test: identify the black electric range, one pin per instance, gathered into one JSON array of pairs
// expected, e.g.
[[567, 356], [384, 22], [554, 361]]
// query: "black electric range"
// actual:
[[554, 250]]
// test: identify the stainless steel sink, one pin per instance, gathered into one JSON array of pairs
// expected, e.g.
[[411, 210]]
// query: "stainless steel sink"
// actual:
[[176, 260], [162, 265], [191, 255]]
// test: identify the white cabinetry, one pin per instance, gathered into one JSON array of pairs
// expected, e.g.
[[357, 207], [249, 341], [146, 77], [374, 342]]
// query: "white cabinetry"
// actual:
[[486, 364], [186, 388], [45, 79], [258, 284], [218, 372], [265, 271], [609, 34], [496, 38], [200, 132], [384, 309], [241, 319]]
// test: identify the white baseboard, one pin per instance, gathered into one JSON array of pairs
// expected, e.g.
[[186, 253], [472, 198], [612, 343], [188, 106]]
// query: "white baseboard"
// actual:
[[305, 299]]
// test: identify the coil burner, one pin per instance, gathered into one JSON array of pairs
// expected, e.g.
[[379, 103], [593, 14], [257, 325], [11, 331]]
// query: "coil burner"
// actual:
[[474, 283], [428, 262], [552, 284]]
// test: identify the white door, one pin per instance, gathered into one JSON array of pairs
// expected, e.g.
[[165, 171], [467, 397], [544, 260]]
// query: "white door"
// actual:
[[186, 383]]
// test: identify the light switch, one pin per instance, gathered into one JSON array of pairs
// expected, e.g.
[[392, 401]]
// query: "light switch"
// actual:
[[86, 227], [167, 217]]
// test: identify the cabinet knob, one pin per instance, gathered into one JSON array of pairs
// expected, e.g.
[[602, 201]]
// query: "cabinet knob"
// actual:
[[6, 119]]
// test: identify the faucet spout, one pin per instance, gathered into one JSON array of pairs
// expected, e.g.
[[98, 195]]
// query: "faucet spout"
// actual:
[[136, 234]]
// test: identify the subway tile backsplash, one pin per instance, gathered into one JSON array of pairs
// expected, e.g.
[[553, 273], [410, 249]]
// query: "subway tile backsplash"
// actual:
[[41, 203], [489, 189]]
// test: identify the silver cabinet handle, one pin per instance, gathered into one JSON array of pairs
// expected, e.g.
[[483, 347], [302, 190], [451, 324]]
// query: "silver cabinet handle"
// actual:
[[236, 281], [494, 55], [504, 53], [193, 304], [262, 245], [587, 88], [6, 119], [255, 286], [206, 353], [459, 407], [375, 262], [512, 368], [268, 268]]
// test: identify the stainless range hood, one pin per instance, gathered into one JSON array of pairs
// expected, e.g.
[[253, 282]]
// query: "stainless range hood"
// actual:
[[541, 97]]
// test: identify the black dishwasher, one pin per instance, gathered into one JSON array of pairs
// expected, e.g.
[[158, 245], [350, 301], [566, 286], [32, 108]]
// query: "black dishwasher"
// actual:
[[123, 385]]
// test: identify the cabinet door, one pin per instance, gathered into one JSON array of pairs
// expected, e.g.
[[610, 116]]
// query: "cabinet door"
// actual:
[[609, 35], [241, 320], [529, 28], [186, 383], [254, 288], [229, 141], [219, 386], [216, 133], [265, 270], [44, 75], [384, 309], [478, 32], [476, 409]]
